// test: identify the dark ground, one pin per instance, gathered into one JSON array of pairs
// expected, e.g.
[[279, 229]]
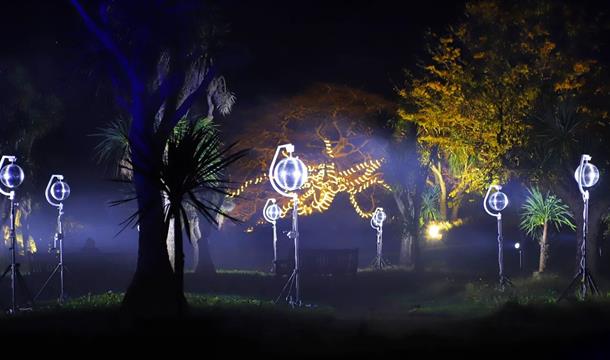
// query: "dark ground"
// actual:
[[373, 313]]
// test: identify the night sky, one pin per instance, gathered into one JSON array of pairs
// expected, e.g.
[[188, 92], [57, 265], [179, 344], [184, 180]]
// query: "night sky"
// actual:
[[275, 48]]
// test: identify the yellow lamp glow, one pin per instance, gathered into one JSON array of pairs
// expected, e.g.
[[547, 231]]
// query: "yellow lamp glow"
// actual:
[[434, 232]]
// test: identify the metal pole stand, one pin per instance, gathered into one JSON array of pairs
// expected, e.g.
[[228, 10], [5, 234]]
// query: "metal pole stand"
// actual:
[[504, 281], [520, 260], [274, 266], [379, 262], [584, 275], [13, 268], [59, 269], [292, 287]]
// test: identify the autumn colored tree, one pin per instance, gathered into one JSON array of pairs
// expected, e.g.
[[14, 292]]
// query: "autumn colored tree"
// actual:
[[494, 86], [482, 81], [333, 129]]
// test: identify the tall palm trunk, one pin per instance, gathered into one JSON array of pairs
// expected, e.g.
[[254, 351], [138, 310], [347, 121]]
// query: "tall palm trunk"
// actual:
[[544, 249], [153, 288], [179, 262]]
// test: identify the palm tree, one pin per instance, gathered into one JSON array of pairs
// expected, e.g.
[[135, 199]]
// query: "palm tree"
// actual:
[[190, 177], [191, 171], [430, 204], [538, 212]]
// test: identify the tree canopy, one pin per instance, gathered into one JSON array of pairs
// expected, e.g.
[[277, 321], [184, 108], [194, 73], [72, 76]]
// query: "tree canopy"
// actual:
[[475, 95]]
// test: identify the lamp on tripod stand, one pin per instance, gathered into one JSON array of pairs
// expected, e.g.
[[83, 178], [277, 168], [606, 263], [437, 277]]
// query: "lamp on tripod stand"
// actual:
[[586, 175], [377, 220], [271, 212], [11, 176], [286, 177], [498, 201], [56, 193]]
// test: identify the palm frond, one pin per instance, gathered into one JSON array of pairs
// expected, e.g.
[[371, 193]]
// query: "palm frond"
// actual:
[[430, 204], [191, 170], [539, 209], [114, 141]]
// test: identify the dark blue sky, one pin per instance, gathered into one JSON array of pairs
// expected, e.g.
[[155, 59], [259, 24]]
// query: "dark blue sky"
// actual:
[[274, 49]]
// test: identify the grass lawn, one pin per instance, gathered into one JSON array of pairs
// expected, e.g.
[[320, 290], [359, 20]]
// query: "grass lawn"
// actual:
[[375, 312]]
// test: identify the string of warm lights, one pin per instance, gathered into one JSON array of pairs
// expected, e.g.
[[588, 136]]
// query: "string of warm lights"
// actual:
[[326, 182]]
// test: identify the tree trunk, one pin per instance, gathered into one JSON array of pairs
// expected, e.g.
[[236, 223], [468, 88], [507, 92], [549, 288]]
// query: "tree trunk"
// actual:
[[438, 174], [544, 249], [406, 246], [200, 235], [152, 291], [206, 265], [455, 209], [179, 263], [406, 236], [409, 239]]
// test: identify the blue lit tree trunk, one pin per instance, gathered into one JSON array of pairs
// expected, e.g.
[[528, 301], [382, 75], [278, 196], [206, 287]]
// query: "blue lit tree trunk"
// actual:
[[161, 84]]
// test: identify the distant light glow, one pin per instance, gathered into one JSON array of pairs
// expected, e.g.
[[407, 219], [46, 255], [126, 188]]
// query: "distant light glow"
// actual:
[[517, 246], [435, 229], [434, 232]]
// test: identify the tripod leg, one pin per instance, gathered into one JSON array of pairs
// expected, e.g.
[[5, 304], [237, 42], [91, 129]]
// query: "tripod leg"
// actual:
[[46, 282], [289, 282], [567, 290], [8, 268], [24, 287], [592, 284]]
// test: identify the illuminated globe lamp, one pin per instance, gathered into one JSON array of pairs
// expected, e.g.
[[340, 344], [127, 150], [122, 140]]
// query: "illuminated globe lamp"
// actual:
[[60, 190], [56, 193], [287, 176], [271, 213], [377, 220], [586, 176], [498, 201], [11, 176], [290, 174], [379, 217]]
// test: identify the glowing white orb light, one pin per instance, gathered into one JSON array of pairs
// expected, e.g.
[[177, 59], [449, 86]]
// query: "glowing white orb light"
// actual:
[[589, 177], [11, 175], [379, 217], [272, 212], [517, 246], [60, 190], [290, 174], [498, 201]]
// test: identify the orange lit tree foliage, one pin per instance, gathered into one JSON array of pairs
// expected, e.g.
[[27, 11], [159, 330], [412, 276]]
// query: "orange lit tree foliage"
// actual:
[[332, 128], [473, 96]]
